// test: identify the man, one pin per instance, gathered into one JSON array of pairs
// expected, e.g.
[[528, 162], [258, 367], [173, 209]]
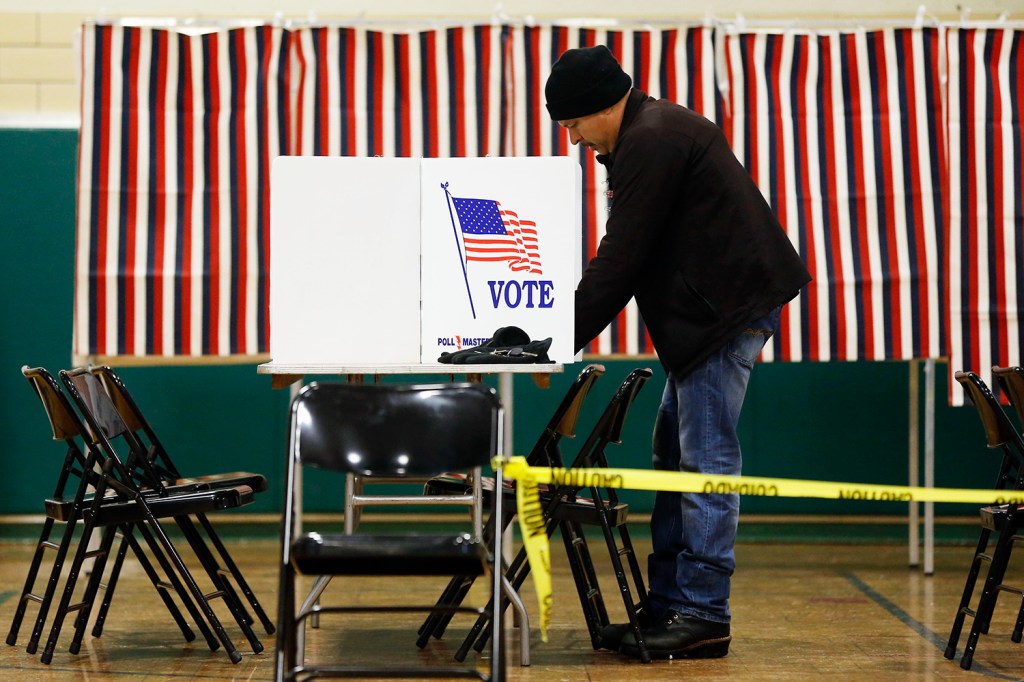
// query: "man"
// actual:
[[691, 238]]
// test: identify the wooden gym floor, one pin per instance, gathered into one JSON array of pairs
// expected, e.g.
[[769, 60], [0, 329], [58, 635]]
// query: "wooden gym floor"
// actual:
[[801, 611]]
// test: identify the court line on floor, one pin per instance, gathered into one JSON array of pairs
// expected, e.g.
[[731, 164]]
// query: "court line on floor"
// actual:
[[100, 674], [917, 626]]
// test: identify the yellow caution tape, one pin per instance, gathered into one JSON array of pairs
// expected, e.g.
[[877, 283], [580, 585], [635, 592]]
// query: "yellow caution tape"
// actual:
[[532, 522], [675, 481], [533, 526]]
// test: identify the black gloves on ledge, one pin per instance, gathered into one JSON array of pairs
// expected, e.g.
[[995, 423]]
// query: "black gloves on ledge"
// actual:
[[509, 345]]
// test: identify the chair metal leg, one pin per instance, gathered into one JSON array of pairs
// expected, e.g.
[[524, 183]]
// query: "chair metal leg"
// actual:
[[62, 547], [478, 634], [51, 587], [516, 573], [634, 566], [261, 614], [177, 586], [964, 609], [524, 620], [1018, 626], [437, 621], [577, 551], [455, 592], [319, 585], [510, 595], [64, 605], [224, 590], [162, 588], [499, 585], [193, 588], [30, 579], [353, 512], [111, 585], [615, 554], [989, 596], [92, 587], [284, 659]]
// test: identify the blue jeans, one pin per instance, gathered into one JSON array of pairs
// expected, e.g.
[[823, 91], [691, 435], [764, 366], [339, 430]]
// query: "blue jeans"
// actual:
[[693, 534]]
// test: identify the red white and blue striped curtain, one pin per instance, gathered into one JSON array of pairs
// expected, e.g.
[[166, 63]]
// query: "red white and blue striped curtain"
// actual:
[[433, 93], [842, 131], [178, 132], [904, 204], [986, 200], [675, 63]]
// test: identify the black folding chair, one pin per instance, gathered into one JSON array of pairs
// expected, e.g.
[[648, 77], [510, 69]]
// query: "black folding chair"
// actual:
[[1004, 520], [99, 501], [142, 496], [394, 491], [393, 431], [147, 445], [1011, 381], [75, 480], [568, 511], [546, 451]]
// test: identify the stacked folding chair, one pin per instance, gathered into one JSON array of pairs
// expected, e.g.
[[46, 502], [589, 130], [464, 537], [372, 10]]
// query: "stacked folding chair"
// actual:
[[1011, 381], [568, 511], [116, 495], [76, 479], [147, 444], [545, 452], [603, 509], [1004, 521]]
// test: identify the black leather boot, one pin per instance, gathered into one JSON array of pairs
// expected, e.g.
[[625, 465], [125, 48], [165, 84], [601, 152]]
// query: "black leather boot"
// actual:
[[680, 636], [612, 634]]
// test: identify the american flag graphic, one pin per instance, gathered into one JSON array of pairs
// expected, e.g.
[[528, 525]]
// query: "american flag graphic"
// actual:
[[490, 233], [891, 157]]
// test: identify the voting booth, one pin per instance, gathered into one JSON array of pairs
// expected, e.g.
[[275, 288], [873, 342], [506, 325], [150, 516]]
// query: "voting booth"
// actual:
[[394, 261]]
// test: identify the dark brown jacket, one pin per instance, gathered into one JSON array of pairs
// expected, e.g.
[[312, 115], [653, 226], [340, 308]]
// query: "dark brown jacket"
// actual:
[[689, 235]]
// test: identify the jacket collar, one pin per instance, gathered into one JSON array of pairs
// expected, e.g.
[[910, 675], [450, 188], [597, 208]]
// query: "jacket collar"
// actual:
[[633, 103]]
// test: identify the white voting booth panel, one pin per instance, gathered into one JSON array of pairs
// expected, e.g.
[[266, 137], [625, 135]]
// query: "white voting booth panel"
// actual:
[[500, 240], [344, 260], [383, 261]]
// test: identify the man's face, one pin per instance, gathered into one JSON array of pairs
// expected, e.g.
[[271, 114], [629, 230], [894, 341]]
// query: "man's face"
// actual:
[[595, 131]]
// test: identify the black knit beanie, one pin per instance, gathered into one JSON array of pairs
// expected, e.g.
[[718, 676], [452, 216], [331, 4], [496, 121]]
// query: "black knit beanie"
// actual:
[[584, 81]]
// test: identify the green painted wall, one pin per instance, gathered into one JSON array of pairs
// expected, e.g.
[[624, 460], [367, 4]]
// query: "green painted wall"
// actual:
[[826, 421]]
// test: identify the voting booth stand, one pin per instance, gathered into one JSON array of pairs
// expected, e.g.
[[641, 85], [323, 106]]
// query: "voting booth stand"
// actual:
[[382, 262], [381, 265]]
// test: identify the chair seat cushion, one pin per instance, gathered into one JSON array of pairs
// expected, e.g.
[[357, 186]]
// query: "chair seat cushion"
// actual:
[[366, 554]]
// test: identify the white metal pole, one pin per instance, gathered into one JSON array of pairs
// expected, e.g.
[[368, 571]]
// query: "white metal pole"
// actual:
[[929, 464], [913, 450]]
